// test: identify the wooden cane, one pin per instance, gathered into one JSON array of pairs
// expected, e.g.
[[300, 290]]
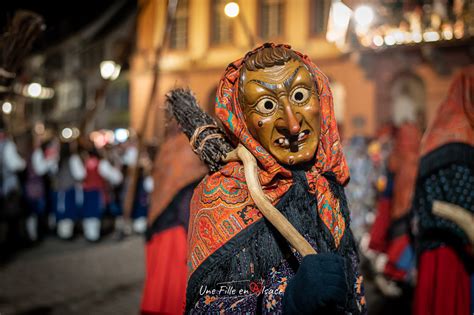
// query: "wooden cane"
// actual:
[[462, 217], [272, 214]]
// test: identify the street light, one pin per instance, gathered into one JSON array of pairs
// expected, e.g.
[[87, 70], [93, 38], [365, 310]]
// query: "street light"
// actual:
[[109, 70], [66, 133], [341, 14], [34, 89], [121, 135], [364, 16], [339, 18], [231, 9], [7, 108], [378, 40]]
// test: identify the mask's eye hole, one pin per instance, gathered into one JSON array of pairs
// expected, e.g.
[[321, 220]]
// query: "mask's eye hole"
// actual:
[[300, 95], [266, 105]]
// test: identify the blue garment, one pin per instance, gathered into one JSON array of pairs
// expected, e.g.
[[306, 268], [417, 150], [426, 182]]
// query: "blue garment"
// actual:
[[141, 203], [64, 204], [36, 206], [93, 204]]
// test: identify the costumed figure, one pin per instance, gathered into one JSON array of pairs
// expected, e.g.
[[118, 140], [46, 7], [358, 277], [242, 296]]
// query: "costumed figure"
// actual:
[[143, 192], [389, 248], [10, 190], [69, 172], [277, 104], [99, 173], [177, 172], [35, 191], [444, 192], [129, 158]]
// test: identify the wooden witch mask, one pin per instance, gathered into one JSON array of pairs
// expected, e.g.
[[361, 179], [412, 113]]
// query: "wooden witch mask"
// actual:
[[279, 99]]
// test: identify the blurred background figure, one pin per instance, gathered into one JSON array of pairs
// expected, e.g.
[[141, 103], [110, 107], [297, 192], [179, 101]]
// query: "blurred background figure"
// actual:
[[361, 190], [99, 174], [10, 191], [389, 249], [144, 188], [444, 246], [38, 167], [177, 171], [70, 171]]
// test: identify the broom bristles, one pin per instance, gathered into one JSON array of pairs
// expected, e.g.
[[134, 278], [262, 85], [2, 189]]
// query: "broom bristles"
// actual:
[[17, 40], [184, 107]]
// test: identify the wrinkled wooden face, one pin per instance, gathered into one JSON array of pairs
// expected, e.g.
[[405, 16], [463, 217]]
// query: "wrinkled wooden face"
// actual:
[[282, 111]]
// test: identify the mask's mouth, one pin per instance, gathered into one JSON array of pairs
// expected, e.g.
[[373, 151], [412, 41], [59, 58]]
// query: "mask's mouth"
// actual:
[[292, 142]]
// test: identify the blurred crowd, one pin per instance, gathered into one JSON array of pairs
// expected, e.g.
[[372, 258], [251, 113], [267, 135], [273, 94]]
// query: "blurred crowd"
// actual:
[[411, 201], [67, 188], [383, 173]]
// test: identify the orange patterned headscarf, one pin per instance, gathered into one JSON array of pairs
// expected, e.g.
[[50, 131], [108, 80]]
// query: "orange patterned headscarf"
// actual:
[[454, 121], [222, 207]]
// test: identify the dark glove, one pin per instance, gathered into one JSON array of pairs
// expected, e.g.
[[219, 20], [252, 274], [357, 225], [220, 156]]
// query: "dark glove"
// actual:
[[319, 286]]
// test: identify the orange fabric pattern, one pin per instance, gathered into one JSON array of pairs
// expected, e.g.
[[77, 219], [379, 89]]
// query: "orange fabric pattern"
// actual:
[[453, 123]]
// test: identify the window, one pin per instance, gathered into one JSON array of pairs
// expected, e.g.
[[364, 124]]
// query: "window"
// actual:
[[221, 25], [319, 14], [179, 29], [271, 18]]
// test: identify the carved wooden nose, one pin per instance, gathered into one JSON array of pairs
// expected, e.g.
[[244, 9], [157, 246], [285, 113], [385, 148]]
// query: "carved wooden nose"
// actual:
[[294, 126]]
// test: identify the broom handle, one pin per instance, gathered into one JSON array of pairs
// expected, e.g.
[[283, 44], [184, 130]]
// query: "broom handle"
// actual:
[[462, 217], [266, 208]]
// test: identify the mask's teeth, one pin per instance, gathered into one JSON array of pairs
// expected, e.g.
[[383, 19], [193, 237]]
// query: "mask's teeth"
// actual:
[[302, 134], [287, 142], [280, 141]]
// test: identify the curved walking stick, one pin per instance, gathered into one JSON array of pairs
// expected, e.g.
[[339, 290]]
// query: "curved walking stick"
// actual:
[[273, 215], [460, 216]]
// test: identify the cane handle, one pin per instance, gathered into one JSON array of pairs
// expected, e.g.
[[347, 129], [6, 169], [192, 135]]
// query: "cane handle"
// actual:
[[280, 222]]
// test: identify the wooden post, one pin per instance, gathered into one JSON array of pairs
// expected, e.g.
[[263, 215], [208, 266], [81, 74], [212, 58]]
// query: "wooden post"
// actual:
[[133, 171]]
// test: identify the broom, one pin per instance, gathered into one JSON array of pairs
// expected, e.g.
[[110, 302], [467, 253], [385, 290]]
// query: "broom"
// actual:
[[212, 147], [15, 43]]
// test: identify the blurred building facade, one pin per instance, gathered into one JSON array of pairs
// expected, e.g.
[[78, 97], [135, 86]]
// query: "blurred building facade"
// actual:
[[69, 67], [364, 80], [204, 41]]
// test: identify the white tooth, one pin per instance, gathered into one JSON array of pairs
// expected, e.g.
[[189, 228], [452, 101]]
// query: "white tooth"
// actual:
[[287, 142], [301, 135], [280, 141]]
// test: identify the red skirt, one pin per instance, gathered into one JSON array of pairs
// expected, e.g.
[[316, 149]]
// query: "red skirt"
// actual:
[[443, 285], [165, 282]]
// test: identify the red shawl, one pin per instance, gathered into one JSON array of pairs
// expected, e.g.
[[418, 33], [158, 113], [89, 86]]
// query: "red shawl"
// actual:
[[222, 207]]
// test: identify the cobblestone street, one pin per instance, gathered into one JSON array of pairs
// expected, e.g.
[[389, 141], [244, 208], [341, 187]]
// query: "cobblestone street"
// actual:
[[75, 277]]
